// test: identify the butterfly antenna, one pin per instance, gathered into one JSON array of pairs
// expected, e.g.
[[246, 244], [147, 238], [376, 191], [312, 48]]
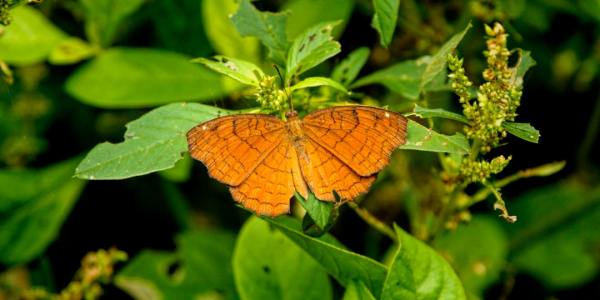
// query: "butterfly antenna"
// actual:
[[284, 87]]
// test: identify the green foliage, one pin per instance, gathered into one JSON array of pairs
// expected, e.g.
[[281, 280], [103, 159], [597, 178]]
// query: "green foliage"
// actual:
[[201, 267], [30, 38], [103, 18], [267, 265], [34, 205], [152, 143], [304, 14], [346, 71], [125, 78], [384, 19], [356, 290], [424, 139], [418, 272]]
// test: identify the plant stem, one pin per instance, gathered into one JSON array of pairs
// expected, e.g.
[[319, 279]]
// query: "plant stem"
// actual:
[[373, 221]]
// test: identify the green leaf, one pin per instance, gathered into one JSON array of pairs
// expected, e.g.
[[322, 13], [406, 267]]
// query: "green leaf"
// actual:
[[403, 78], [30, 37], [223, 35], [438, 113], [154, 142], [180, 172], [384, 19], [356, 290], [240, 70], [269, 266], [318, 81], [438, 61], [70, 51], [347, 70], [523, 131], [477, 266], [200, 268], [33, 209], [126, 78], [307, 13], [343, 265], [554, 238], [104, 17], [418, 272], [320, 212], [311, 48], [422, 138], [268, 27], [523, 65]]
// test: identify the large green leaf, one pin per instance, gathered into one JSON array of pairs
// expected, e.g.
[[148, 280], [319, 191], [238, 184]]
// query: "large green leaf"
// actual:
[[477, 250], [33, 206], [124, 78], [557, 230], [384, 19], [424, 112], [418, 272], [200, 269], [269, 266], [268, 27], [223, 35], [154, 142], [422, 138], [346, 71], [30, 38], [437, 64], [306, 13], [311, 48], [103, 18], [403, 78], [343, 265]]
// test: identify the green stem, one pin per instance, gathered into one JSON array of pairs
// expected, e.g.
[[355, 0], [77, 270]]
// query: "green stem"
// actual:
[[373, 221]]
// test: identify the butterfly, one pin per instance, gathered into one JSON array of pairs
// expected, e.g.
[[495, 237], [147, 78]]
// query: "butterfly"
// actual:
[[264, 159]]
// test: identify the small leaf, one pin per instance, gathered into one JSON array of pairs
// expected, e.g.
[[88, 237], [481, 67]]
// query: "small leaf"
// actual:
[[34, 208], [438, 113], [240, 70], [70, 51], [523, 131], [311, 48], [318, 81], [223, 35], [320, 212], [418, 272], [125, 78], [343, 265], [478, 267], [424, 139], [154, 142], [523, 65], [267, 265], [268, 27], [403, 78], [384, 19], [347, 70], [30, 37], [438, 61], [357, 290], [103, 18], [201, 267], [307, 13]]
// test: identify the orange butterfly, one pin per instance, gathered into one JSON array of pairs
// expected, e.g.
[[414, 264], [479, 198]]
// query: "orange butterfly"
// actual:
[[264, 159]]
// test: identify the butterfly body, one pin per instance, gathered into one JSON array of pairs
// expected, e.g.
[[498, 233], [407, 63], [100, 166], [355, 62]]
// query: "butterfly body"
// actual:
[[264, 159]]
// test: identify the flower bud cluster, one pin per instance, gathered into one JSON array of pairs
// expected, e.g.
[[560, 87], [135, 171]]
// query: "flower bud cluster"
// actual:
[[269, 95]]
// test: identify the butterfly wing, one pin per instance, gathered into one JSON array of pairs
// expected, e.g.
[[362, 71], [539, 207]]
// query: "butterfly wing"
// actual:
[[324, 172], [231, 147], [362, 137]]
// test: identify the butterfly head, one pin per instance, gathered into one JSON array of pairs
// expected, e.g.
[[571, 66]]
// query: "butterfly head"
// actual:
[[291, 114]]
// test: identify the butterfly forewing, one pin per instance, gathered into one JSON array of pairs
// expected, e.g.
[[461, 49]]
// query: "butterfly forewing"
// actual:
[[362, 137], [232, 147]]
